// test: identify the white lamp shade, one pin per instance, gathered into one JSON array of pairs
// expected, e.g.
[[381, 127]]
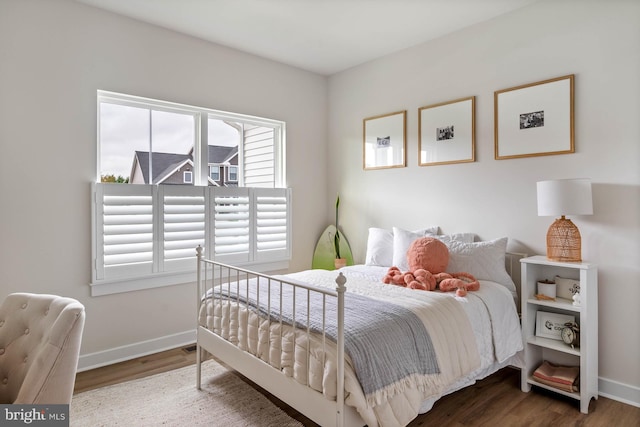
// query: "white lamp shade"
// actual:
[[565, 197]]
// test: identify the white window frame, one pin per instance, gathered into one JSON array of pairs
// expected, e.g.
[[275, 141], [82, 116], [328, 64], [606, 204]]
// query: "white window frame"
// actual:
[[186, 174], [160, 268]]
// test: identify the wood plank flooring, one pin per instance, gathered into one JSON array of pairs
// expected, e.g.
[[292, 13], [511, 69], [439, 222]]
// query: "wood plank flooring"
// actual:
[[494, 401], [134, 369]]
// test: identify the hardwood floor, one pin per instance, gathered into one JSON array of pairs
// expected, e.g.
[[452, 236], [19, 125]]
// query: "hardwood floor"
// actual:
[[133, 369], [494, 401]]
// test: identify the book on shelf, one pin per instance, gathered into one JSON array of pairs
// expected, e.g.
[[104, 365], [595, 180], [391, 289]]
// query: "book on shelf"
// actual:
[[565, 378]]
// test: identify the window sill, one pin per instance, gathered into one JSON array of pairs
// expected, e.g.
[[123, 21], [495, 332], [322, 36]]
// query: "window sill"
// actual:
[[116, 286]]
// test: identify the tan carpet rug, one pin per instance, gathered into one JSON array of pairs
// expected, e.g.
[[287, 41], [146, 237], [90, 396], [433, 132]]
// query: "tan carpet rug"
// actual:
[[171, 399]]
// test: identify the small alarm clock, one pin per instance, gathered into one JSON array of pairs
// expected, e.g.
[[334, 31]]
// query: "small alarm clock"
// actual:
[[570, 334]]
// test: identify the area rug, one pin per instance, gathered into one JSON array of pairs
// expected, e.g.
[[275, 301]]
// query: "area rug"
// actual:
[[171, 399]]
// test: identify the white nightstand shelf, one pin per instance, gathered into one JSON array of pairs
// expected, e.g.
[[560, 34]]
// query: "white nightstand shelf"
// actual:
[[574, 395], [559, 303], [538, 349], [554, 345]]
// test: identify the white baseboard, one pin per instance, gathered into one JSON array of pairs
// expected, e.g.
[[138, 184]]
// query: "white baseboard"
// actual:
[[620, 392], [131, 351]]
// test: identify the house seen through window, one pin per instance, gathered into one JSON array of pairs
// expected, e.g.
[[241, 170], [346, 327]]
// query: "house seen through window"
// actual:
[[146, 142]]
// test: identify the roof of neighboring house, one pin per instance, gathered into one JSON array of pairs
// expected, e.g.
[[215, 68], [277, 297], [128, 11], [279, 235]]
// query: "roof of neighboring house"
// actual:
[[165, 163], [219, 154], [162, 163]]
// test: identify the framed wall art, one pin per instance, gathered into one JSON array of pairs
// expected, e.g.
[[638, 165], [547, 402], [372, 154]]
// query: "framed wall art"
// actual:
[[446, 132], [535, 119], [384, 141]]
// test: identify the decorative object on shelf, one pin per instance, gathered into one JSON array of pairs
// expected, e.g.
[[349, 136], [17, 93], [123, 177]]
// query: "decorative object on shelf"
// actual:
[[570, 334], [535, 119], [550, 325], [384, 141], [561, 377], [567, 288], [564, 197], [576, 299], [446, 132], [547, 288]]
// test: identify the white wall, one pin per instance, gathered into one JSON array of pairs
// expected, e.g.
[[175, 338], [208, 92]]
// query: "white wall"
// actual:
[[599, 42], [54, 56]]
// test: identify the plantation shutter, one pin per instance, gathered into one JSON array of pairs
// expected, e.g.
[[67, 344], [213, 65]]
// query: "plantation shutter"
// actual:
[[183, 221], [231, 224], [251, 224], [272, 224], [150, 232], [125, 229]]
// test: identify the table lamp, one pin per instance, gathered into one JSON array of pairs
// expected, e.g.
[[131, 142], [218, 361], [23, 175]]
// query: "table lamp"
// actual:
[[564, 197]]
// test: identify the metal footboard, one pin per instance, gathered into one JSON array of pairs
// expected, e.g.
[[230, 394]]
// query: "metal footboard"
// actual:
[[225, 287]]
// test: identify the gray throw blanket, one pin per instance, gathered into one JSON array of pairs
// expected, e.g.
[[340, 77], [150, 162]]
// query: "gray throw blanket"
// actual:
[[386, 342]]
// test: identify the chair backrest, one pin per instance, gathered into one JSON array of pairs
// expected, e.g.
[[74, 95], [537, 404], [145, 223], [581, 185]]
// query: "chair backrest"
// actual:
[[40, 337]]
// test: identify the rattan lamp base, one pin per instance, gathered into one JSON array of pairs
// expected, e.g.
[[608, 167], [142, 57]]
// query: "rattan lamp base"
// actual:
[[563, 241]]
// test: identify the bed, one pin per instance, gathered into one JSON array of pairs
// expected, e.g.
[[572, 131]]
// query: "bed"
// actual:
[[345, 349]]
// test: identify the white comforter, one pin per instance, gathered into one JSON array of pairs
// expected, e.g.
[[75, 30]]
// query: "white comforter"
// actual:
[[470, 335]]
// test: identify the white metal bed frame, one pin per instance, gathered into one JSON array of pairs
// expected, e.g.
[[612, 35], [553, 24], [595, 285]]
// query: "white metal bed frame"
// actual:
[[313, 404]]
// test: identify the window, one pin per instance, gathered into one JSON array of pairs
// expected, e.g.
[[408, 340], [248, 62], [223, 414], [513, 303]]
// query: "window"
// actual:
[[159, 195], [233, 174], [146, 141], [214, 173], [144, 144]]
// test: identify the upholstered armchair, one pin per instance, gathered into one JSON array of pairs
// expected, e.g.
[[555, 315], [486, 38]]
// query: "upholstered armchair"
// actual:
[[40, 338]]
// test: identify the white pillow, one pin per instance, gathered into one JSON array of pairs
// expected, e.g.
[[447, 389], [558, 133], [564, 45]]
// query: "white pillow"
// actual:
[[402, 239], [458, 237], [379, 247], [484, 260]]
